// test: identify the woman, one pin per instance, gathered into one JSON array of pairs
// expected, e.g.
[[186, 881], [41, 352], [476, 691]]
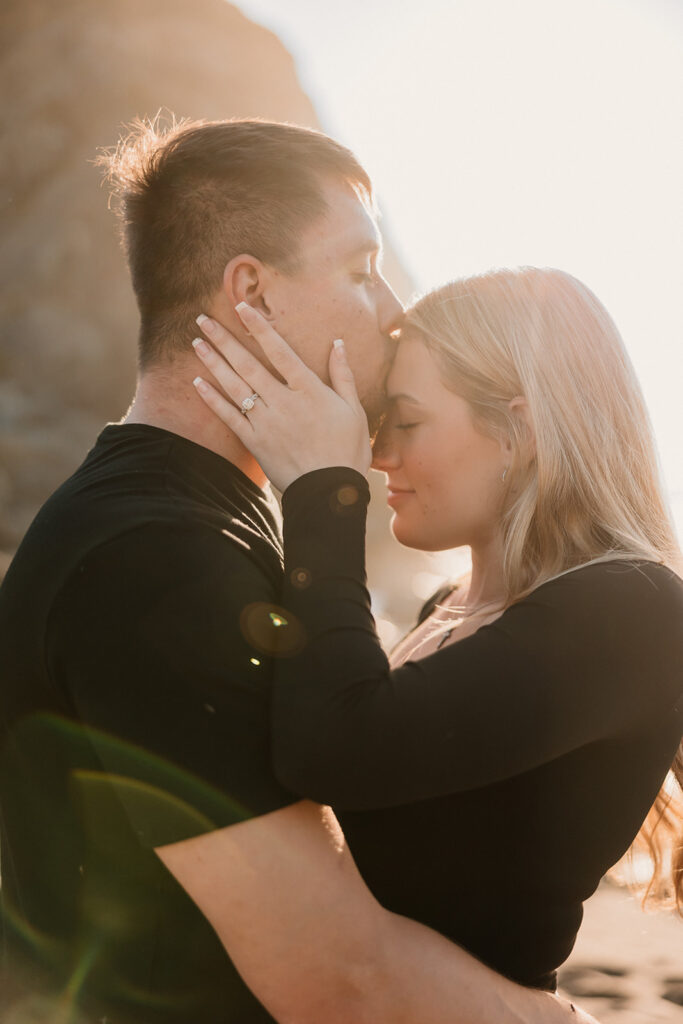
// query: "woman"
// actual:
[[514, 745]]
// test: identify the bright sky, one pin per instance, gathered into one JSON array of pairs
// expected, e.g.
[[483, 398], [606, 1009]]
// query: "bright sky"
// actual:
[[535, 131]]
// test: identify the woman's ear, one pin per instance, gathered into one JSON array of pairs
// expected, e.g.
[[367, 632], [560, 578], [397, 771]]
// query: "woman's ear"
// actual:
[[244, 280], [519, 410]]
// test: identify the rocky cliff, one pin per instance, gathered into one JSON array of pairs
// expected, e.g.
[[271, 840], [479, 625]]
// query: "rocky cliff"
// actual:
[[71, 74]]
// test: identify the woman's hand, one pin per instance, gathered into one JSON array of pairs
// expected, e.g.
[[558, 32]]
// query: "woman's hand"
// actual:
[[292, 427]]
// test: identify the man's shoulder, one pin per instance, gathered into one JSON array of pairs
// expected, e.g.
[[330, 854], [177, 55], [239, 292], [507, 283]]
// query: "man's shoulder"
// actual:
[[134, 505], [165, 552]]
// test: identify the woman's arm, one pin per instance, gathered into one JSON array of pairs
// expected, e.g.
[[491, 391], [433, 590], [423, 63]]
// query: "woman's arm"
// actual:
[[286, 900], [568, 665], [584, 657]]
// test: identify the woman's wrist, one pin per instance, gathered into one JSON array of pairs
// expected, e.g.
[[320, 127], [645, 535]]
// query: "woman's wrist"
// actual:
[[325, 479], [324, 517]]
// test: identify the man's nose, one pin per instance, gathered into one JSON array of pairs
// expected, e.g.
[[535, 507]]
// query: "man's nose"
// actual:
[[389, 310]]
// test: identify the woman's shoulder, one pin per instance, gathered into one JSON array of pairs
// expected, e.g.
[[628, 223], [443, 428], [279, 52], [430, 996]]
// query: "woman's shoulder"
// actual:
[[613, 620], [628, 585]]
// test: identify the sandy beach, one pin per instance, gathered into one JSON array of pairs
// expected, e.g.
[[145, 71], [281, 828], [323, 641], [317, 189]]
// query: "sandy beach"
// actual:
[[627, 965]]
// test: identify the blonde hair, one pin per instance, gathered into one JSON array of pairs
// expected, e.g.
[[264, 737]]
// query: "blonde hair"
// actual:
[[590, 491]]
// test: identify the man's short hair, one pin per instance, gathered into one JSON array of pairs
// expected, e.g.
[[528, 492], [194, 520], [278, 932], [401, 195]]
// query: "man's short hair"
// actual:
[[192, 197]]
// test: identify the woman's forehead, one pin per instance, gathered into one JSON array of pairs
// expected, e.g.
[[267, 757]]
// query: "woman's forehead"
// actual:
[[412, 369]]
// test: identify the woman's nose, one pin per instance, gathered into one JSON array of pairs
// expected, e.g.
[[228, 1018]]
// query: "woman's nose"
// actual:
[[384, 450]]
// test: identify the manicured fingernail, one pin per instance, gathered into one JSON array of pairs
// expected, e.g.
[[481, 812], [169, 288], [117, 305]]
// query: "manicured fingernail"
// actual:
[[205, 322], [200, 385], [339, 346], [243, 307], [200, 346]]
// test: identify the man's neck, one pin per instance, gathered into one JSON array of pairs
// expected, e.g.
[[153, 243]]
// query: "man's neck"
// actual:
[[165, 398]]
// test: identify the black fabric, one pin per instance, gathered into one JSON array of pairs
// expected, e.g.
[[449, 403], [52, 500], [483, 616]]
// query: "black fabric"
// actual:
[[433, 602], [136, 628], [485, 789]]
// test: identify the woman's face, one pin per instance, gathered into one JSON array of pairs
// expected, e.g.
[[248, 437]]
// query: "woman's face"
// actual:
[[444, 476]]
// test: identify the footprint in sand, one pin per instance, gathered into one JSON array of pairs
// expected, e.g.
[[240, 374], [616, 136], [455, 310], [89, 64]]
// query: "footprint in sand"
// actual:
[[673, 990], [609, 983]]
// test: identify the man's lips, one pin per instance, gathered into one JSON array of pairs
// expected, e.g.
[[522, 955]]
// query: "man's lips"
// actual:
[[395, 495]]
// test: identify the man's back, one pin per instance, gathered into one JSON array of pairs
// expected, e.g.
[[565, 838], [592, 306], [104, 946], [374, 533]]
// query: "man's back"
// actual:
[[135, 624]]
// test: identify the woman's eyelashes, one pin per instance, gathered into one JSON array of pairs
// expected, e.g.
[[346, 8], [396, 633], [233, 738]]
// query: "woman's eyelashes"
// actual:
[[401, 419]]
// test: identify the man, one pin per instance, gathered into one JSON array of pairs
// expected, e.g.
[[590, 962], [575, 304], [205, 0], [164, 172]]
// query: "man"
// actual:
[[137, 627]]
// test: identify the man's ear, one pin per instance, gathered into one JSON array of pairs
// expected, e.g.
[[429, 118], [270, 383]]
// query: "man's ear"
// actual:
[[519, 409], [244, 280]]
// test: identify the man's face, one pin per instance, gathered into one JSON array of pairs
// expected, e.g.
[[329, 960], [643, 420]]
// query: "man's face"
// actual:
[[339, 292]]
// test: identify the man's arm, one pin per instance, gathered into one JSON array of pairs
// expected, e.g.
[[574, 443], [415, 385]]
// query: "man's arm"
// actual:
[[287, 901], [169, 689]]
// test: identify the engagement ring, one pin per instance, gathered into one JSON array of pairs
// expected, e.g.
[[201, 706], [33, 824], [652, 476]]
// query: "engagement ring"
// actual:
[[248, 404]]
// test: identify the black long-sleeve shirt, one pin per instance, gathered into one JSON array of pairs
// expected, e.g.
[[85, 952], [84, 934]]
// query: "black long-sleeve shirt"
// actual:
[[486, 788], [135, 632]]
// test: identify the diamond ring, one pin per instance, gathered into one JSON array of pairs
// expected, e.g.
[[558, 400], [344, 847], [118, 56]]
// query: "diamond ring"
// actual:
[[248, 404]]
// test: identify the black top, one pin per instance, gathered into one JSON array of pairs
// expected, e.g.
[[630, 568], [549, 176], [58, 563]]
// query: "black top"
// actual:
[[511, 769], [135, 628]]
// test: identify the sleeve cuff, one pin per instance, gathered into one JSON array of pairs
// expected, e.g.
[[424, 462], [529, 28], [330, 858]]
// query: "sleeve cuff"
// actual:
[[324, 515]]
